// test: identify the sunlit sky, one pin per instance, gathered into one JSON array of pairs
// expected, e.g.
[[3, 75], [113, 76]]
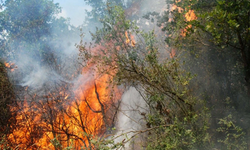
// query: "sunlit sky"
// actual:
[[73, 9]]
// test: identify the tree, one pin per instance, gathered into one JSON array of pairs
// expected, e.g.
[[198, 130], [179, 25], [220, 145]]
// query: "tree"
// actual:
[[33, 36], [211, 41], [173, 120], [225, 23], [228, 24], [31, 33], [7, 101], [97, 13], [28, 20], [32, 26]]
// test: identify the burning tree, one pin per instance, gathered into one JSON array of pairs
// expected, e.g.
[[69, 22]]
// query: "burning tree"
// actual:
[[57, 107], [63, 119], [162, 83]]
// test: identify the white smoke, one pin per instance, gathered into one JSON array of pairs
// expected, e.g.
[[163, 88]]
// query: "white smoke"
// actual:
[[131, 119]]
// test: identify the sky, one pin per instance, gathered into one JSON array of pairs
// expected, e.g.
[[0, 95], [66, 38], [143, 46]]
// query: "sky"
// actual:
[[73, 9]]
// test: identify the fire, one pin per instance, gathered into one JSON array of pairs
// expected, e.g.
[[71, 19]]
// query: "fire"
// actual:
[[29, 128], [64, 118], [190, 15], [176, 7], [172, 53], [173, 7], [59, 120], [7, 65], [10, 65], [130, 40]]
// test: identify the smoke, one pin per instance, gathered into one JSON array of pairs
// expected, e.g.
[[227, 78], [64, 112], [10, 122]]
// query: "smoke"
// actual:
[[56, 65], [131, 119], [53, 59], [133, 108], [50, 57]]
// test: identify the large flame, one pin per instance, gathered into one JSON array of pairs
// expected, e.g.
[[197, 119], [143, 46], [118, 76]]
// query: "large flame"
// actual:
[[59, 121], [68, 119]]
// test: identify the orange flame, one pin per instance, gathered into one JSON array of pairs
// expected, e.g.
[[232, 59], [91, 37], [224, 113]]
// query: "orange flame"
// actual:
[[190, 15], [173, 7], [172, 53], [10, 65], [130, 40], [29, 127], [72, 124], [64, 119]]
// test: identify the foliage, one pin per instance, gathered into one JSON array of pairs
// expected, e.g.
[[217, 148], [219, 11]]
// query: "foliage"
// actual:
[[27, 19], [234, 137], [30, 27], [7, 100], [56, 143], [106, 144], [99, 6], [4, 144], [228, 24], [222, 23], [177, 119], [31, 35], [216, 42], [26, 22]]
